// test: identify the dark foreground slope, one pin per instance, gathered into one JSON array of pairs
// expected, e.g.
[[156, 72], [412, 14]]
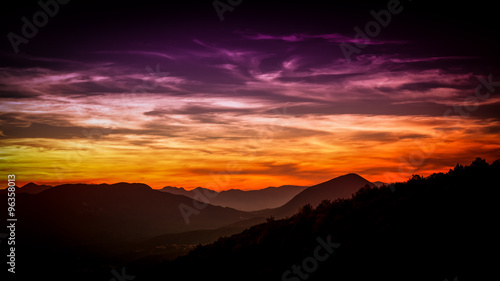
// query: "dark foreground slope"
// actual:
[[437, 228]]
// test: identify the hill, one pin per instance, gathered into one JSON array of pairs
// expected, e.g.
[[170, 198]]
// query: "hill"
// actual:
[[338, 188]]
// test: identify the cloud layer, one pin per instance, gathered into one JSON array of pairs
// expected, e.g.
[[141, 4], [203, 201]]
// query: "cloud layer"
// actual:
[[286, 107]]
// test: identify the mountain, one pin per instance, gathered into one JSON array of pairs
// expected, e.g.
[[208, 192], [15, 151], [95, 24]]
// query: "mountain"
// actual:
[[33, 188], [84, 214], [86, 227], [442, 227], [248, 200], [340, 187], [29, 188]]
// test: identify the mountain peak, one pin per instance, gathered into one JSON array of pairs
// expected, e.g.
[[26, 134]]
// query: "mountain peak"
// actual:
[[129, 185], [30, 184], [33, 188], [341, 187], [351, 175]]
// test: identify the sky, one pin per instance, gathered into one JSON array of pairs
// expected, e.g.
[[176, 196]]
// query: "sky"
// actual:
[[245, 94]]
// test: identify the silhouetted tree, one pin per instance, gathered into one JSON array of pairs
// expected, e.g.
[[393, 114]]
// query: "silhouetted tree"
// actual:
[[305, 210]]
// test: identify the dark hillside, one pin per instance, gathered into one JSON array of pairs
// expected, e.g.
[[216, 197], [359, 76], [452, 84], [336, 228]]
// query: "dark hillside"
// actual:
[[432, 228]]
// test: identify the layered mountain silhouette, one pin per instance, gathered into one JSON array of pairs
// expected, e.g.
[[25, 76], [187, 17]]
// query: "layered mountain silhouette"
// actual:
[[437, 228], [85, 213], [132, 223], [117, 212], [249, 200], [88, 230]]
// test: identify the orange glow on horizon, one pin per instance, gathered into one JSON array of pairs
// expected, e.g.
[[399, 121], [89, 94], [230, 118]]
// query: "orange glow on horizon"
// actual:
[[375, 147]]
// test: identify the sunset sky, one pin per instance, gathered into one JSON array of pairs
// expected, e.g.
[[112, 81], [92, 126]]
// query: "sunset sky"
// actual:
[[171, 95]]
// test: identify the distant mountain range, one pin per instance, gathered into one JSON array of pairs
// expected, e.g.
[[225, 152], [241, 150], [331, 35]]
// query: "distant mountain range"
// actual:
[[249, 200], [129, 221], [30, 188], [131, 211], [116, 212]]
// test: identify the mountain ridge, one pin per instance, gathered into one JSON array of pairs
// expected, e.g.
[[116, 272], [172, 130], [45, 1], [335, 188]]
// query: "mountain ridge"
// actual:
[[245, 200]]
